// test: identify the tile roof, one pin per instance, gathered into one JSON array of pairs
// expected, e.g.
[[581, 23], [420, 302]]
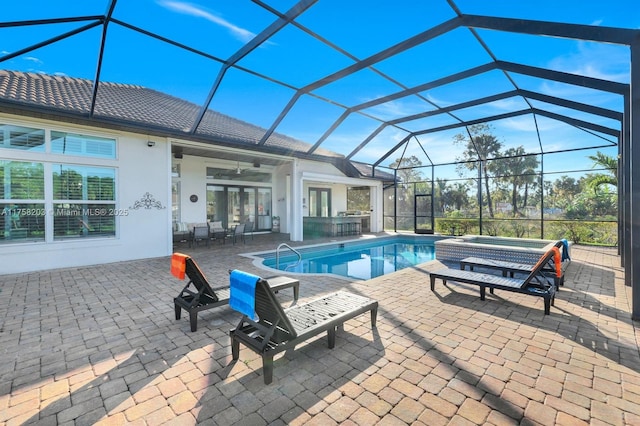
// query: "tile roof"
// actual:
[[366, 170], [138, 106]]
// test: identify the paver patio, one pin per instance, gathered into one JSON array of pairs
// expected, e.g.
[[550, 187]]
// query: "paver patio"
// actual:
[[101, 345]]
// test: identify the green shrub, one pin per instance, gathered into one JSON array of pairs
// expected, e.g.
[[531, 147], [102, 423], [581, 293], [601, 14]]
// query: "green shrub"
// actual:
[[579, 232]]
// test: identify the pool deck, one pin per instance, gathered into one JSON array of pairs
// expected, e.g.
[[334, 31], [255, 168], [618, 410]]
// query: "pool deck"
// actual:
[[101, 345]]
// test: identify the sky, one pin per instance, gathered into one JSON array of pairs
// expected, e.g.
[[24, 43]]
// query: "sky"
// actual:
[[262, 83]]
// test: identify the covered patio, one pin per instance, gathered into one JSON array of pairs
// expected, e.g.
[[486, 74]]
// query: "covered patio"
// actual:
[[101, 345]]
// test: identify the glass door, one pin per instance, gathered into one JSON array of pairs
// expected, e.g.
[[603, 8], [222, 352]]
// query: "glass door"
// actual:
[[249, 203], [423, 214], [233, 205], [319, 202], [264, 208], [239, 204], [216, 202]]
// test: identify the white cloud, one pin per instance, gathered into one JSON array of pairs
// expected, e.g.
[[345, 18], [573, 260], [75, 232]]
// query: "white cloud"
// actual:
[[33, 59], [598, 60], [399, 108], [194, 10]]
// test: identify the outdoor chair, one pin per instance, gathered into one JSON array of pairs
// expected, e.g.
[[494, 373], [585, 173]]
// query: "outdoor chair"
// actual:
[[181, 233], [555, 266], [248, 229], [216, 231], [237, 232], [200, 233], [268, 329], [198, 295], [537, 283]]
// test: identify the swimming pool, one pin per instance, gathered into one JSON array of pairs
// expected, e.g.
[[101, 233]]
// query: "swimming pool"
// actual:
[[355, 259]]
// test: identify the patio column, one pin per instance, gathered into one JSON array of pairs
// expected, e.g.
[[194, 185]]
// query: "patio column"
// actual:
[[295, 221], [633, 267]]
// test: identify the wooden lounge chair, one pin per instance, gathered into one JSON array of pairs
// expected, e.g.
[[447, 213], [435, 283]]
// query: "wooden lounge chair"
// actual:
[[554, 266], [198, 295], [537, 283], [276, 329]]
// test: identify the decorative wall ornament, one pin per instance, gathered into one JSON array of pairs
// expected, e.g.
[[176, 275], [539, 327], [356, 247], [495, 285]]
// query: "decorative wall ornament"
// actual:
[[147, 202]]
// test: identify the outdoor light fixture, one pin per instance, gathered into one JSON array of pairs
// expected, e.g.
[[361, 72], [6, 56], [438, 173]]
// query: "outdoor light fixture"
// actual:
[[151, 143]]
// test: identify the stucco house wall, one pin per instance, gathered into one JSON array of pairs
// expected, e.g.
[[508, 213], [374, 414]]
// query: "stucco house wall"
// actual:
[[143, 204]]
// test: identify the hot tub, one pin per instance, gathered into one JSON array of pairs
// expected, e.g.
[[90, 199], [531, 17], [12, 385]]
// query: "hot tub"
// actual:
[[519, 250]]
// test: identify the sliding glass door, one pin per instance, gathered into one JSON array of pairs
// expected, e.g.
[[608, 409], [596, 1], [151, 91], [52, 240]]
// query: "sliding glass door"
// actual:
[[239, 204]]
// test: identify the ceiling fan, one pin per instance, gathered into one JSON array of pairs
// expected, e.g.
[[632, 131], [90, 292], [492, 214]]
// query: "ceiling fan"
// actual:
[[238, 170]]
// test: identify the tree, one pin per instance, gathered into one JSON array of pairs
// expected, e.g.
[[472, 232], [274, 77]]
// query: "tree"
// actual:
[[518, 170], [457, 195], [439, 193], [607, 162], [406, 168], [481, 147], [565, 189]]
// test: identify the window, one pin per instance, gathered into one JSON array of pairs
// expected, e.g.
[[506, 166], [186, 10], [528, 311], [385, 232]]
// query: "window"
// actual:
[[81, 199], [175, 192], [23, 138], [88, 146], [21, 201], [175, 201], [84, 201]]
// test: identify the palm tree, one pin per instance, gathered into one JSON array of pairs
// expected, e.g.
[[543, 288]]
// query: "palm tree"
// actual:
[[607, 162], [519, 171], [478, 150]]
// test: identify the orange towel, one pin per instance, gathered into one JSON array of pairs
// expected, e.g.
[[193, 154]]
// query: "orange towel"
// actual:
[[179, 265], [557, 261]]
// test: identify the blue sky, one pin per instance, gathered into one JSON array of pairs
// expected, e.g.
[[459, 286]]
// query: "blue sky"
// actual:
[[349, 30]]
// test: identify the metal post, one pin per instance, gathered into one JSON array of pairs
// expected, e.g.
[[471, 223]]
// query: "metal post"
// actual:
[[480, 194], [633, 268], [395, 200], [624, 187], [433, 197], [542, 196]]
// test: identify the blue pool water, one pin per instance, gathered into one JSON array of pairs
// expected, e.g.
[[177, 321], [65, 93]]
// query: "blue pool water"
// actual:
[[360, 260]]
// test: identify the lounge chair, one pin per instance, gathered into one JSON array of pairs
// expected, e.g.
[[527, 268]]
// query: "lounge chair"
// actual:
[[537, 283], [272, 329], [198, 295], [554, 266]]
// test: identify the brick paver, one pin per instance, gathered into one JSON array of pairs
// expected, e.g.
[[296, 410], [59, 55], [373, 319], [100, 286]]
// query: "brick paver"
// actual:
[[101, 345]]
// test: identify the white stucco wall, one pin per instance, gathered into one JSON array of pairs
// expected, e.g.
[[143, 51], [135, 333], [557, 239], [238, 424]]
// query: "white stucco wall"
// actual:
[[193, 181], [141, 233]]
